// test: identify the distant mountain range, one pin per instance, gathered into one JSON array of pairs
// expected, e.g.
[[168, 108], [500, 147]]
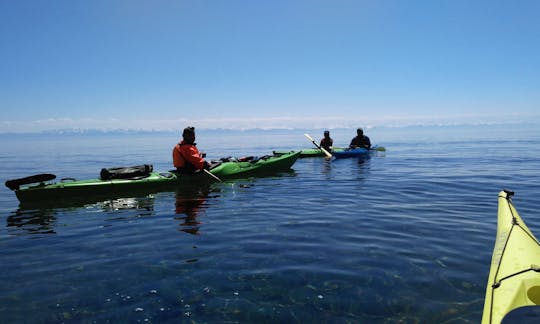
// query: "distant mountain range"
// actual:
[[92, 131]]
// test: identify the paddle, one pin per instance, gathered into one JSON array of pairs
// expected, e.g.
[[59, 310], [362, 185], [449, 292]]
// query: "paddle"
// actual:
[[16, 183], [318, 146], [379, 148], [212, 175]]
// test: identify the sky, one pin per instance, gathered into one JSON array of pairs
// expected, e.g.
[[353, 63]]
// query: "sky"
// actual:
[[164, 64]]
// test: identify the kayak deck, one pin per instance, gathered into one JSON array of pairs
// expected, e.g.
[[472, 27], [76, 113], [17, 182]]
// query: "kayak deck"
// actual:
[[260, 165], [514, 278]]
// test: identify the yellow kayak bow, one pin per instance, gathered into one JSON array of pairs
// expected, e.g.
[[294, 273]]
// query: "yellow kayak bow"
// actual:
[[514, 276]]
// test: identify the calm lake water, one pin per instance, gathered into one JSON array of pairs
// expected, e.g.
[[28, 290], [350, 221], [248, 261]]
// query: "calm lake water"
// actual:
[[404, 236]]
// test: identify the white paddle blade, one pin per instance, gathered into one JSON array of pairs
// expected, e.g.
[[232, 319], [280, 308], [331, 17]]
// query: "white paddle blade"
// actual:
[[309, 137]]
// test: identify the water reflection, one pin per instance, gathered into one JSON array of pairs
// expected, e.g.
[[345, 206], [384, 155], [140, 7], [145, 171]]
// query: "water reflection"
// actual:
[[189, 205], [33, 222], [144, 203], [363, 159], [192, 202], [327, 167], [42, 218]]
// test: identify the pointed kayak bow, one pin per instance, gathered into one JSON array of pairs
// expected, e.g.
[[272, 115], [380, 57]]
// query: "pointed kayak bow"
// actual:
[[514, 276]]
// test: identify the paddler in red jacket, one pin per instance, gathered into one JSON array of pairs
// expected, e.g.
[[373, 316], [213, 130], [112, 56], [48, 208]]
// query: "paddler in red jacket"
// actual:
[[186, 156]]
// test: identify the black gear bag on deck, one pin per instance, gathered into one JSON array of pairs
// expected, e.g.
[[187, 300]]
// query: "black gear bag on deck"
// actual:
[[137, 171]]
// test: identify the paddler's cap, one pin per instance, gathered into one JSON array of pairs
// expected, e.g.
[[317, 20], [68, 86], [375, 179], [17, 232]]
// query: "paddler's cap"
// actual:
[[188, 130], [327, 132]]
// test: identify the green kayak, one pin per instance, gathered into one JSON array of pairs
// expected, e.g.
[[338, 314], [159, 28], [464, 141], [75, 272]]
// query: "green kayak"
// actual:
[[311, 152], [232, 167], [143, 179]]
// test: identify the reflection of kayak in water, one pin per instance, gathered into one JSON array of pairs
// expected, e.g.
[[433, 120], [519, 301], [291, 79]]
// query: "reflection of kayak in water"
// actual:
[[117, 181], [514, 276]]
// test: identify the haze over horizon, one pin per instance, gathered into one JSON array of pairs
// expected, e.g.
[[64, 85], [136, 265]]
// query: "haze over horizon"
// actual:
[[65, 125]]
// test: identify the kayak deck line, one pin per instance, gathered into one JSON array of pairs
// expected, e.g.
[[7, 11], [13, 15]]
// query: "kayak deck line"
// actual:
[[532, 268], [515, 223], [514, 280]]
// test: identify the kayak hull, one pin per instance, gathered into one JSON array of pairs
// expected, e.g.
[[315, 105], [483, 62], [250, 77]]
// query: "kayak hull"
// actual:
[[317, 152], [91, 187], [514, 277], [358, 152], [338, 152], [155, 181], [311, 152]]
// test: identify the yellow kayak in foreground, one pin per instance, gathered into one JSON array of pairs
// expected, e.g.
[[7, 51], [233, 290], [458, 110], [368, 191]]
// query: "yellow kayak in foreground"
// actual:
[[514, 277]]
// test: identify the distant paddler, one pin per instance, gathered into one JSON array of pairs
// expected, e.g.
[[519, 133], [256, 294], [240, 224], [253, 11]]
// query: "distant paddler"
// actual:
[[360, 140], [327, 142], [328, 154]]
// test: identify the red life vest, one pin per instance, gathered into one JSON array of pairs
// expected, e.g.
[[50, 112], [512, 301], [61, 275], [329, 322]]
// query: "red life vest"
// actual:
[[187, 156]]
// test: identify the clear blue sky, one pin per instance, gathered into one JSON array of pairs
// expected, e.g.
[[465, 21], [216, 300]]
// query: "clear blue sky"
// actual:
[[218, 63]]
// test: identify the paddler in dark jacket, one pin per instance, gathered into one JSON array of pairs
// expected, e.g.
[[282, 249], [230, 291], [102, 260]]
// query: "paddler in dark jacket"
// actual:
[[360, 141], [186, 156], [327, 142]]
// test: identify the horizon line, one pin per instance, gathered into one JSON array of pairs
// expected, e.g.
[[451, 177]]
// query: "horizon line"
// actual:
[[96, 130], [259, 123]]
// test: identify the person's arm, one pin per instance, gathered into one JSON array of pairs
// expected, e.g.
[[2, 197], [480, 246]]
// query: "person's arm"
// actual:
[[194, 157], [368, 143], [353, 143]]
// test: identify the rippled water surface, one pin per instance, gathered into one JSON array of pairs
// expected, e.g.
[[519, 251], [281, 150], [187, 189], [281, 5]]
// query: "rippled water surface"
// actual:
[[405, 235]]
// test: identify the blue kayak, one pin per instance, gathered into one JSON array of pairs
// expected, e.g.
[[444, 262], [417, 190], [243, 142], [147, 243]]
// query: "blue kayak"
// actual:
[[350, 153], [357, 152]]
